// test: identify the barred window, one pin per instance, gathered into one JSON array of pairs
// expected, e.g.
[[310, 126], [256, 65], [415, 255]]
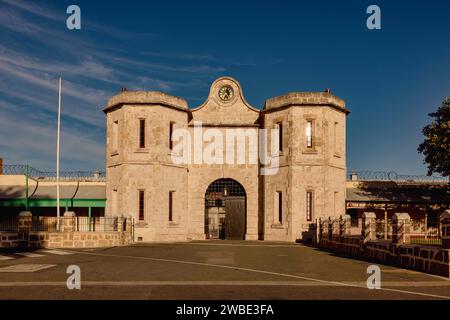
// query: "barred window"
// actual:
[[170, 135], [142, 133], [141, 205], [309, 206], [171, 205], [280, 136], [280, 206], [309, 134]]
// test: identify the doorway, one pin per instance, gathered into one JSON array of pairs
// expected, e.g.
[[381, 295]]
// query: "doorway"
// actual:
[[225, 210]]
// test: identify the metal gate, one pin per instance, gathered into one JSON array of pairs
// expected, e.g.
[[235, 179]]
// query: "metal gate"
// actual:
[[235, 218], [225, 210]]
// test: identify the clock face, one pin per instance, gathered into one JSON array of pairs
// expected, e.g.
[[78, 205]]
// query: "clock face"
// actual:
[[226, 93]]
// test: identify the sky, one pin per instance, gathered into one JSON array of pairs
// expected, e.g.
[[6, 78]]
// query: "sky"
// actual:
[[390, 78]]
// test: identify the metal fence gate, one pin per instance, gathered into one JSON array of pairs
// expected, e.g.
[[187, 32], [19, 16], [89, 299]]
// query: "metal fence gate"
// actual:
[[225, 210]]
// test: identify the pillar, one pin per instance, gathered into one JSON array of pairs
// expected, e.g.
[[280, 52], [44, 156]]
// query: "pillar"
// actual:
[[345, 225], [68, 223], [401, 225], [319, 230], [445, 229], [368, 230], [24, 228]]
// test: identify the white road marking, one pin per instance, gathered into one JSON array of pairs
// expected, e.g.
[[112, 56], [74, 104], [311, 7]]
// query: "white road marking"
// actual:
[[57, 252], [25, 268], [29, 254], [241, 245], [224, 283], [5, 258], [338, 283]]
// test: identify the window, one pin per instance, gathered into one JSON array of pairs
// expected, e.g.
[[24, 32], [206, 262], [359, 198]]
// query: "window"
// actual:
[[335, 134], [309, 134], [280, 207], [114, 203], [309, 206], [280, 136], [171, 206], [115, 136], [141, 205], [170, 135], [335, 203], [142, 133]]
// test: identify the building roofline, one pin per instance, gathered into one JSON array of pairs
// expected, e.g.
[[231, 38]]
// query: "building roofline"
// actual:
[[305, 99], [146, 98]]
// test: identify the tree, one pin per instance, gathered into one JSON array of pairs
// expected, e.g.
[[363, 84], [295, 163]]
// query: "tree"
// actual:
[[436, 146]]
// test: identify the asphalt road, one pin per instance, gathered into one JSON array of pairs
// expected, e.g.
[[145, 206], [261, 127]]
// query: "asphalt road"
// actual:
[[209, 270]]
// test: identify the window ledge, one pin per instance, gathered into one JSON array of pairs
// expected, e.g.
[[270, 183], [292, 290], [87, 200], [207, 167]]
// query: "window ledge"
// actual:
[[277, 226], [141, 224], [141, 150], [337, 155], [173, 224], [114, 153], [310, 151]]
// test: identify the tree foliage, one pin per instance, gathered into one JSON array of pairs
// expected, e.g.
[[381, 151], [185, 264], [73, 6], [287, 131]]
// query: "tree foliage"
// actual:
[[436, 146]]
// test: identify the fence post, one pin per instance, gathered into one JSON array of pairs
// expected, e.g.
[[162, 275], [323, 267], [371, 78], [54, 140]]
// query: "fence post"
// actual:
[[445, 227], [129, 230], [24, 228], [120, 222], [336, 224], [347, 225], [368, 227], [330, 229], [401, 225], [68, 221], [319, 230]]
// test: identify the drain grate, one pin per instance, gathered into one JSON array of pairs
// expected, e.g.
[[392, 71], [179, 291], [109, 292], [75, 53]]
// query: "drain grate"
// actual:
[[26, 268]]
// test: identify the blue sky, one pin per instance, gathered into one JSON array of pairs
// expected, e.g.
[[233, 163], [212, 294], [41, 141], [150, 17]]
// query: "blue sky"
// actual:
[[391, 78]]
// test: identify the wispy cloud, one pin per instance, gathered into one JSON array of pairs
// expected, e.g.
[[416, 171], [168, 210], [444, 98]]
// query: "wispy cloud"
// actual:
[[36, 48]]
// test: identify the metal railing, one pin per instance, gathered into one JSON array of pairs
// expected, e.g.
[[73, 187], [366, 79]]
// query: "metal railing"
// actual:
[[383, 229], [367, 175], [18, 169], [45, 224], [96, 224], [420, 233], [9, 224]]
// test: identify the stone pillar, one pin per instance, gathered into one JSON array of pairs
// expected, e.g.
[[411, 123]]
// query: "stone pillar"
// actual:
[[336, 225], [325, 230], [68, 222], [120, 224], [445, 229], [368, 230], [129, 232], [330, 230], [401, 225], [319, 230], [24, 228]]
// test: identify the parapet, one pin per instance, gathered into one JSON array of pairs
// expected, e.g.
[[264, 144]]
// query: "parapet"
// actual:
[[306, 99], [146, 98]]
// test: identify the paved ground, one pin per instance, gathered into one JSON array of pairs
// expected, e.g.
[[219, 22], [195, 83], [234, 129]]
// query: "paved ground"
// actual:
[[208, 270]]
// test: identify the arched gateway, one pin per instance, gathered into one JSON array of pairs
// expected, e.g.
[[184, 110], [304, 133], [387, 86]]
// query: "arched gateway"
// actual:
[[225, 210]]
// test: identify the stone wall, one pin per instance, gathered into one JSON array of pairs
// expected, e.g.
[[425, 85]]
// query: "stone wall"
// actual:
[[67, 237], [429, 259]]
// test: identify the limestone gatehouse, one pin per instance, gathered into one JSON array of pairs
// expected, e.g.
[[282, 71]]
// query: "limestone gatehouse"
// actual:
[[181, 201]]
